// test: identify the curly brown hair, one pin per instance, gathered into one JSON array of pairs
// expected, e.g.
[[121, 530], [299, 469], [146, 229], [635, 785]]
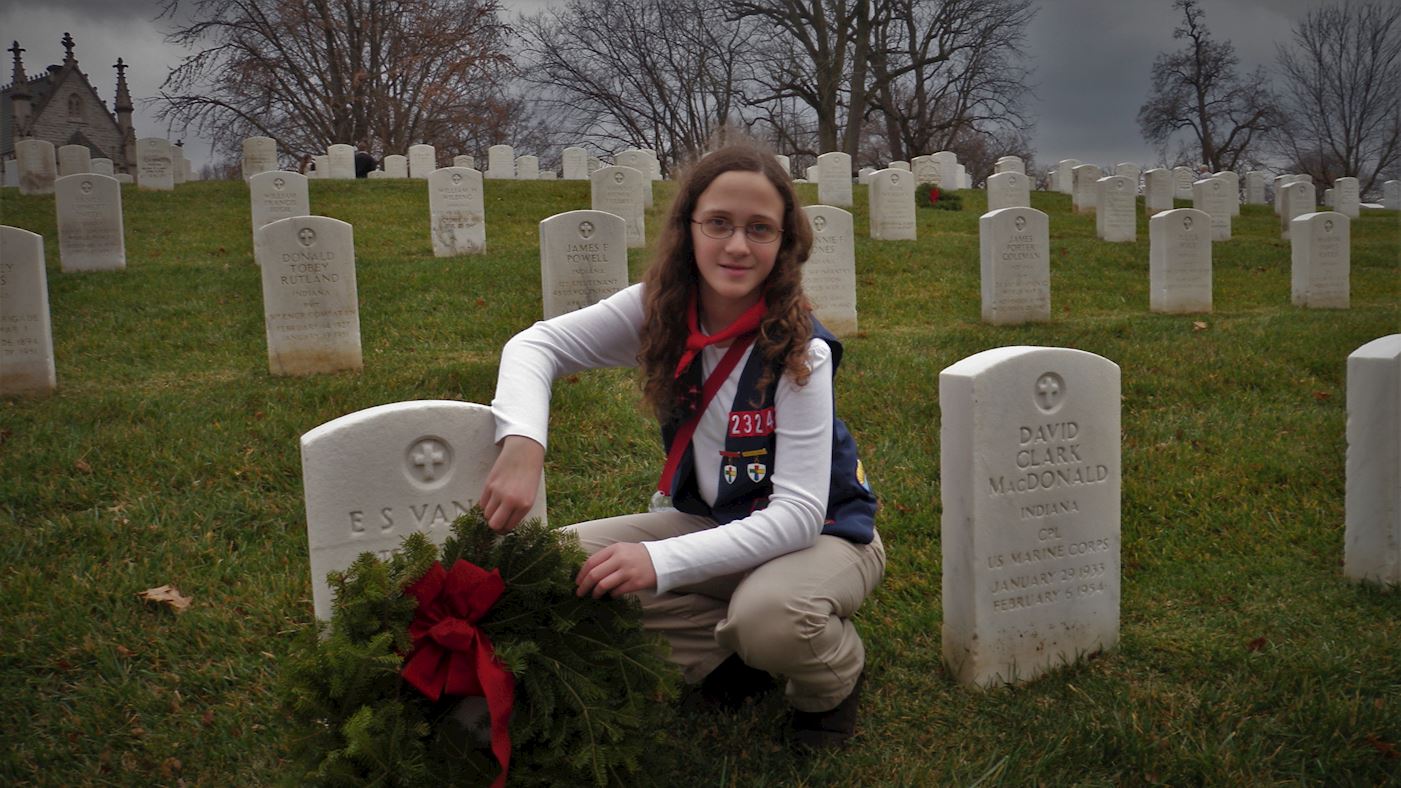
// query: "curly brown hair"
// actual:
[[672, 278]]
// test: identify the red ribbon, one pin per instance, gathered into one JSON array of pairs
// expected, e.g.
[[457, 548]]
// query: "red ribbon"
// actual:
[[451, 656]]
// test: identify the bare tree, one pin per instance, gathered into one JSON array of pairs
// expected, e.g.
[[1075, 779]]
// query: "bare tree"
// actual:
[[1342, 94], [309, 73], [1197, 89]]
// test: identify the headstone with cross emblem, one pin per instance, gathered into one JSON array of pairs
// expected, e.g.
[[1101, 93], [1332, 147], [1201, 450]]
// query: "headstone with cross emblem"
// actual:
[[1016, 266], [1179, 261], [1030, 480], [1211, 196], [834, 179], [583, 259], [1008, 190], [36, 165], [373, 477], [500, 163], [1116, 209], [155, 166], [1372, 539], [310, 306], [26, 341], [273, 195], [892, 205], [1157, 191], [619, 191], [1320, 251], [423, 159], [90, 234], [1086, 194], [829, 275], [74, 159], [259, 155], [457, 214]]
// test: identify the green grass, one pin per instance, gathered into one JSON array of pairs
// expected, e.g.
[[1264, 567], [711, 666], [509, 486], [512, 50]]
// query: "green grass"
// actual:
[[169, 455]]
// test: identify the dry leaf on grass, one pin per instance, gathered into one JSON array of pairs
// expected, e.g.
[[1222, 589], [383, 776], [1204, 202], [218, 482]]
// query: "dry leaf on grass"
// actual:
[[169, 595], [1198, 325]]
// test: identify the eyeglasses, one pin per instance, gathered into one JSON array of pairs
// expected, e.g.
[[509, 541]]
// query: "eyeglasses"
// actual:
[[720, 229]]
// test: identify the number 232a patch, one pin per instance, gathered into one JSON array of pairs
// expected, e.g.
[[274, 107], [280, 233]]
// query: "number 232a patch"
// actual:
[[751, 423]]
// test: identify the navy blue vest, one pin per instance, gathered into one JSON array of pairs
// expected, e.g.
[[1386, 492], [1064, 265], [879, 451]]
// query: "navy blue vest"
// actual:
[[748, 460]]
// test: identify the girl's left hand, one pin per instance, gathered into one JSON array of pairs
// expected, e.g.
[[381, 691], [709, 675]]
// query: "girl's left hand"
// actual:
[[618, 569]]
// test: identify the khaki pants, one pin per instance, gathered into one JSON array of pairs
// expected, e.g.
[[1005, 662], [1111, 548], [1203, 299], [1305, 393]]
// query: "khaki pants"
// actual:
[[790, 616]]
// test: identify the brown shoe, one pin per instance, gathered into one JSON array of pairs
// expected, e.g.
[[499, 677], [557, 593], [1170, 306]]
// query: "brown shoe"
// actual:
[[831, 729], [734, 682]]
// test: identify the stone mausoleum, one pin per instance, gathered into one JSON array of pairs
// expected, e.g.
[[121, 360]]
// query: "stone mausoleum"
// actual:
[[62, 106]]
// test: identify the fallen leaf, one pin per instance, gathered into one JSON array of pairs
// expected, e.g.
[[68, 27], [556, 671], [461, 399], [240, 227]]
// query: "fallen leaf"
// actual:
[[208, 718], [169, 595], [82, 466], [481, 302], [571, 378], [169, 767], [1321, 395], [1198, 325], [1386, 748], [124, 651], [1256, 644]]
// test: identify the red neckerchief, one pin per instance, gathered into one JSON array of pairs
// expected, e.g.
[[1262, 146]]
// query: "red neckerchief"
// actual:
[[743, 331]]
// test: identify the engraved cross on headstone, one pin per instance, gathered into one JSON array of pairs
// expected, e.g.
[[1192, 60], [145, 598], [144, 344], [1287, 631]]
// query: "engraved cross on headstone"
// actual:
[[428, 455], [1047, 391]]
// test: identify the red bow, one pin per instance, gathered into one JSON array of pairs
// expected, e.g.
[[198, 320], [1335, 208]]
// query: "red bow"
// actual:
[[451, 656]]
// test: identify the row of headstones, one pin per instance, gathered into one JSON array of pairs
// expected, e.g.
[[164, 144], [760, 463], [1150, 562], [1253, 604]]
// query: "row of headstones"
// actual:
[[160, 166], [1030, 481], [832, 173]]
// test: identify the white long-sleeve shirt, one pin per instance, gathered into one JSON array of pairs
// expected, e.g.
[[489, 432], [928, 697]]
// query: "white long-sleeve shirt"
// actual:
[[606, 334]]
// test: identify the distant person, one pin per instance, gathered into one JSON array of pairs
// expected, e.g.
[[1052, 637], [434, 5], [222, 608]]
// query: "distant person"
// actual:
[[364, 162]]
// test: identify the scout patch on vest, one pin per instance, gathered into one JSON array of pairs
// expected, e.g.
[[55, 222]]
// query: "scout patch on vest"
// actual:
[[757, 471], [729, 470], [861, 476], [751, 423]]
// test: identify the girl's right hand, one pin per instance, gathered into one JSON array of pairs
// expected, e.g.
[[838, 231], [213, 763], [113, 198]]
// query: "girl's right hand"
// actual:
[[511, 485]]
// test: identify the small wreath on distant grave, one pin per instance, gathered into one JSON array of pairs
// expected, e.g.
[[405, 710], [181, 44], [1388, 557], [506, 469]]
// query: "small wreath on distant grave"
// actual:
[[573, 687], [927, 195]]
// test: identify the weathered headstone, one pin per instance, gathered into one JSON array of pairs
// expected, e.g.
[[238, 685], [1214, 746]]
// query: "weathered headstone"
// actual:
[[1116, 213], [457, 212], [1321, 257], [1086, 193], [1372, 505], [155, 166], [574, 163], [89, 208], [423, 159], [829, 275], [103, 166], [583, 260], [1030, 478], [259, 155], [396, 166], [374, 476], [1212, 196], [273, 195], [26, 340], [528, 168], [500, 163], [74, 159], [463, 160], [925, 170], [1015, 248], [1254, 188], [342, 159], [1347, 198], [892, 205], [1179, 261], [1008, 189], [1391, 195], [1182, 180], [834, 179], [1157, 191], [1296, 199], [618, 190], [37, 166], [310, 306]]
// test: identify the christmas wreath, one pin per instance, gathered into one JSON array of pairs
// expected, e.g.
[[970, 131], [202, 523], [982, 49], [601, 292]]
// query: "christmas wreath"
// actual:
[[573, 686]]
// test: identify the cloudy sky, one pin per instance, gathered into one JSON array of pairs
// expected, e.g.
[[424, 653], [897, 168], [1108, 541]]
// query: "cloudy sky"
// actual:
[[1092, 59]]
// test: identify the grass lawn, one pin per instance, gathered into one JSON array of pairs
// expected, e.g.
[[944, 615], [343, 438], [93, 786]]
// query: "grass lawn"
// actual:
[[169, 455]]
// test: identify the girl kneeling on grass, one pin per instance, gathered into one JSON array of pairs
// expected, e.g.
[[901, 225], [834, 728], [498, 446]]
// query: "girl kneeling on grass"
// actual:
[[771, 545]]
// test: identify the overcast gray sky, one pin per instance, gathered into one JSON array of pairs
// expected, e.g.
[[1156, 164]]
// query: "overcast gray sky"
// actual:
[[1092, 59]]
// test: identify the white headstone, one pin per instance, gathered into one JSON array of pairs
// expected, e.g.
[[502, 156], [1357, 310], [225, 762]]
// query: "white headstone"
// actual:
[[374, 175], [925, 170], [829, 275], [1232, 190], [1179, 261], [90, 223], [1016, 266], [1347, 198], [457, 212], [1009, 189], [1255, 188], [1328, 198], [423, 159], [342, 159], [1064, 180], [549, 175], [1212, 197], [155, 166], [11, 174], [463, 160], [500, 163], [396, 166], [947, 164], [259, 155], [1157, 191], [811, 174], [373, 477], [1116, 212], [310, 306], [37, 166], [1030, 477], [1182, 180], [574, 163], [784, 164], [1372, 538], [1321, 254], [528, 168], [892, 205], [618, 190], [1296, 199], [103, 166], [898, 165], [863, 175], [179, 165], [962, 177], [1086, 192], [595, 164], [583, 260], [834, 179], [1391, 195], [26, 340], [1010, 164], [273, 195], [638, 160], [124, 177], [1279, 182], [74, 159], [1129, 170]]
